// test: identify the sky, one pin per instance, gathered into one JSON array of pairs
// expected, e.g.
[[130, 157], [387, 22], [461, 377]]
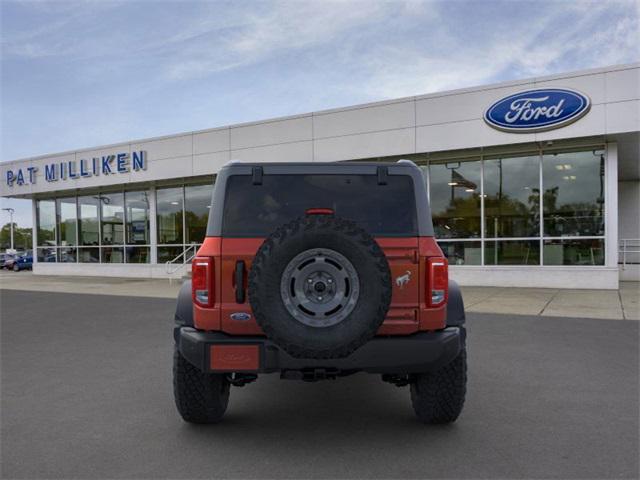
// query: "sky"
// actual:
[[87, 73]]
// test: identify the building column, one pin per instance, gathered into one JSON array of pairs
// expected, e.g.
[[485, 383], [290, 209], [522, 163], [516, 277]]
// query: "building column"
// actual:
[[153, 226], [611, 205], [34, 230]]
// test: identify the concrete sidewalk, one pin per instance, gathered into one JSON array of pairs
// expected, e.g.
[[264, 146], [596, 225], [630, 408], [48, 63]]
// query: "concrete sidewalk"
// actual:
[[610, 304], [620, 304], [134, 287]]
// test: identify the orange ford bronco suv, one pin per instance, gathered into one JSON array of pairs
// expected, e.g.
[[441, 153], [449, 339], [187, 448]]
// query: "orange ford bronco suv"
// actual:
[[316, 271]]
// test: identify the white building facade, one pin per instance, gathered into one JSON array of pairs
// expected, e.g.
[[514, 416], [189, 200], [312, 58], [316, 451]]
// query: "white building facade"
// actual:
[[532, 183]]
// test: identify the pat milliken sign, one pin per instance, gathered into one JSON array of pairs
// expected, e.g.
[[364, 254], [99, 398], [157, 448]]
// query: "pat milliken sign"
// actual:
[[115, 164], [537, 110]]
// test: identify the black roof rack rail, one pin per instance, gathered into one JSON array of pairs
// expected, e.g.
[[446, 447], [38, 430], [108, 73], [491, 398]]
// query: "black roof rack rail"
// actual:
[[256, 174], [383, 173]]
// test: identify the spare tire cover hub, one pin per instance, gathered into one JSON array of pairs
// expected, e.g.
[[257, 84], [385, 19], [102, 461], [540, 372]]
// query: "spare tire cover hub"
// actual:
[[320, 287]]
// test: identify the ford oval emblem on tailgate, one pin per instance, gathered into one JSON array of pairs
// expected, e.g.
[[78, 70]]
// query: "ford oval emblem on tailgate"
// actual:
[[240, 316]]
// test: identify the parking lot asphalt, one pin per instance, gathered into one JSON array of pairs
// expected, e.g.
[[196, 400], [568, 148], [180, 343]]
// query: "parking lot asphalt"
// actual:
[[86, 393]]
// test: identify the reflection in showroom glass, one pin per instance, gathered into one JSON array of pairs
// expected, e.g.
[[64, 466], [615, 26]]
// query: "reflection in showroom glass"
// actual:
[[512, 197], [573, 197], [455, 199]]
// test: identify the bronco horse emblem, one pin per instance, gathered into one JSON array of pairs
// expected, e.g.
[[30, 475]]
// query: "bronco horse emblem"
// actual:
[[402, 280]]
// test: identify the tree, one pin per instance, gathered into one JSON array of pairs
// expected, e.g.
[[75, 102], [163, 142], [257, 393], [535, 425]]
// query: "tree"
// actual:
[[21, 237]]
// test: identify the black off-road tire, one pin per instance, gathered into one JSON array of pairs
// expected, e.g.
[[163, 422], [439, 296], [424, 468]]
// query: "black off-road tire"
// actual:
[[320, 232], [200, 397], [438, 397]]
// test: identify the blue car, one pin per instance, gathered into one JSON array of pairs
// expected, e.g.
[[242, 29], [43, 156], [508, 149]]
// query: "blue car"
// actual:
[[23, 262]]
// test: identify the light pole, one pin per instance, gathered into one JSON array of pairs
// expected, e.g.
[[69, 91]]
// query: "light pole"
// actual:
[[11, 212]]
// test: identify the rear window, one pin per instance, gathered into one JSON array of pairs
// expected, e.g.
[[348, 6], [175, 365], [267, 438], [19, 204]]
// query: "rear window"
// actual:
[[257, 210]]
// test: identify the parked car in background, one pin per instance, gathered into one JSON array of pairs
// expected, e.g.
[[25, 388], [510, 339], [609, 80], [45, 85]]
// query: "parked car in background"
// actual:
[[23, 262], [7, 260]]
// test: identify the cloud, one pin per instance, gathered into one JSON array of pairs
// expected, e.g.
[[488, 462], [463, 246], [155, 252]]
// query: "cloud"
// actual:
[[367, 38], [556, 40], [402, 48], [287, 26], [52, 27], [100, 72]]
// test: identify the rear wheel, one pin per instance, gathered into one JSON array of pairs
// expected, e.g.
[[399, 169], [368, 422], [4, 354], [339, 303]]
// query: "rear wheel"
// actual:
[[438, 397], [200, 397], [16, 268]]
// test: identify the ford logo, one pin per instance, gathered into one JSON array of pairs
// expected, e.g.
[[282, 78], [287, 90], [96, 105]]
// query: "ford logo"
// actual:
[[537, 110], [240, 316]]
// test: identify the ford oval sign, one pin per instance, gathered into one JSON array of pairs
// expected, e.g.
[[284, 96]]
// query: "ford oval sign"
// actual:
[[537, 110]]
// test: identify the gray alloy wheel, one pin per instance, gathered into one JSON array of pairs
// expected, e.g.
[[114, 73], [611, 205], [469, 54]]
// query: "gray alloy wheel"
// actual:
[[320, 287]]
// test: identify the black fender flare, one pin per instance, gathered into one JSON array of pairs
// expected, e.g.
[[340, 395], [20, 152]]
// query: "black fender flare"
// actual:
[[184, 308], [455, 306]]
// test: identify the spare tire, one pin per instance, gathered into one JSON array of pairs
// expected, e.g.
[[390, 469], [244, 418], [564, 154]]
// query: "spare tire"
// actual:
[[320, 287]]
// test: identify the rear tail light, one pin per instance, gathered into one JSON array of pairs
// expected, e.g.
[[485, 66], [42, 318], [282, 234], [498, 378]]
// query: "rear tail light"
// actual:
[[438, 281], [202, 281]]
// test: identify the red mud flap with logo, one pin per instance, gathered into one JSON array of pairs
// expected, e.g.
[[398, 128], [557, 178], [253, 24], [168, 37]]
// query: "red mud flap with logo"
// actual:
[[219, 352]]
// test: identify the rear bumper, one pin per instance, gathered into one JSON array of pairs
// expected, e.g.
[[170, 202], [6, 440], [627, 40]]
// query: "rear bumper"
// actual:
[[420, 352]]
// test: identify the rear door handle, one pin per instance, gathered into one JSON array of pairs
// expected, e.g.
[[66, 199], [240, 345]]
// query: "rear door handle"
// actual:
[[239, 274]]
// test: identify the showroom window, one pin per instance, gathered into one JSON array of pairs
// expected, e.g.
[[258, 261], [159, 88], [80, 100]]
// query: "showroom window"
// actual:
[[573, 251], [170, 219], [67, 225], [512, 252], [488, 210], [182, 215], [512, 197], [46, 230], [573, 194], [454, 188], [88, 229], [455, 199], [573, 207], [197, 202], [107, 228], [115, 227], [138, 238], [112, 227], [462, 252]]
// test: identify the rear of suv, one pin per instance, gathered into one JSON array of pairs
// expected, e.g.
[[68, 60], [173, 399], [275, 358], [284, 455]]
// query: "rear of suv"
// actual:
[[317, 271]]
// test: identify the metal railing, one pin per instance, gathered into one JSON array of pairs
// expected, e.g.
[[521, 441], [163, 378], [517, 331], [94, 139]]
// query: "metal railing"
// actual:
[[628, 247], [178, 263]]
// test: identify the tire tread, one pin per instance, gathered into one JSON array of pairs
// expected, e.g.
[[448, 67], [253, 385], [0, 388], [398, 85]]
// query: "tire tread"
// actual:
[[438, 397], [200, 397]]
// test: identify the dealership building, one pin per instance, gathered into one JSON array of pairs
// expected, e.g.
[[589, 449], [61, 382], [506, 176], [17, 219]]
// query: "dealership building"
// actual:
[[532, 183]]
